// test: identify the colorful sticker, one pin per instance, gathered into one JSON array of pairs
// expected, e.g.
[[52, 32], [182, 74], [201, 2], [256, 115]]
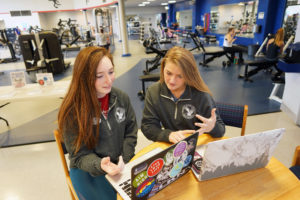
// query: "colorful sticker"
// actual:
[[180, 148], [187, 160], [155, 167], [140, 178], [169, 157], [145, 187], [176, 169]]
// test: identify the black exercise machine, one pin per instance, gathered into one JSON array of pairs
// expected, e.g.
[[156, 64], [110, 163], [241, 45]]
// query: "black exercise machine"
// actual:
[[261, 63], [155, 62], [4, 40], [213, 52], [42, 53], [149, 44], [147, 77]]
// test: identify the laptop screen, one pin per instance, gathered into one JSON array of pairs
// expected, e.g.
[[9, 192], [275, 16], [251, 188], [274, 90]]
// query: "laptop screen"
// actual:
[[157, 172]]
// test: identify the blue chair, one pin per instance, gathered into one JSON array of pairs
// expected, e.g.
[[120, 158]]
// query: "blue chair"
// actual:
[[233, 115], [62, 151], [295, 168]]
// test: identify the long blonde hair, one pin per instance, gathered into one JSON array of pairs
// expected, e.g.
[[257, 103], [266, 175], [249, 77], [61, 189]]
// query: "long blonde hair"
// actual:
[[81, 104], [186, 61]]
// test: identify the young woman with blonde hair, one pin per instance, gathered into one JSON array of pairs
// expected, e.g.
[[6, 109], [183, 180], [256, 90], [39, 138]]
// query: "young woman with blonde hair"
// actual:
[[97, 124], [180, 102]]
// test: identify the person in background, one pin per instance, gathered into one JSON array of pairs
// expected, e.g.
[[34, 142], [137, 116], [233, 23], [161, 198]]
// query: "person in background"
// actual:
[[102, 38], [97, 124], [180, 102], [171, 34], [274, 49], [230, 48], [17, 31]]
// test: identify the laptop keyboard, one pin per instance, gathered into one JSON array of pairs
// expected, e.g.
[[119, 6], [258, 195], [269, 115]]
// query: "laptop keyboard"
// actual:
[[126, 187]]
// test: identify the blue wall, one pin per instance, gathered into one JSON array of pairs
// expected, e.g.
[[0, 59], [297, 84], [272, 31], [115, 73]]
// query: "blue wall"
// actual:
[[273, 15]]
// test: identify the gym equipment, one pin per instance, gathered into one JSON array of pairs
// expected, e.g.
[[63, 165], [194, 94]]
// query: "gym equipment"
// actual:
[[103, 19], [144, 79], [262, 63], [4, 40], [147, 77], [149, 44], [67, 35], [42, 53], [214, 52]]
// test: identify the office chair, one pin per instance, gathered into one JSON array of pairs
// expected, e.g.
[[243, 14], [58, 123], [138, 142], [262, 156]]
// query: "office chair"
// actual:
[[295, 168], [233, 115], [62, 151]]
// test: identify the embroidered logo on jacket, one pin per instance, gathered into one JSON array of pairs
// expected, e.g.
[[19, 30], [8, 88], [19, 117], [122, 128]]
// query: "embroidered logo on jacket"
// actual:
[[120, 114], [95, 121], [188, 111]]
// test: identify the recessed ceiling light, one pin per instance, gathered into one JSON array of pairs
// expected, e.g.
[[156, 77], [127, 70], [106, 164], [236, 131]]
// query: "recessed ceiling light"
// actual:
[[146, 2], [171, 1], [164, 4], [166, 7], [150, 0], [141, 5]]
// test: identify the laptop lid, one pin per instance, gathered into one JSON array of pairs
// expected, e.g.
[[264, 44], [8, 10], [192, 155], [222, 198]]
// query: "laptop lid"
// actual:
[[159, 171], [239, 154]]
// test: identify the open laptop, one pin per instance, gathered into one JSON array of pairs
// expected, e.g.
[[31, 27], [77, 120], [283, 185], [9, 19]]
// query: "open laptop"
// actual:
[[150, 173], [235, 155]]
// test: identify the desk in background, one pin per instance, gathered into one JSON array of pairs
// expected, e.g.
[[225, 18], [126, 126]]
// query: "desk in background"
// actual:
[[34, 91], [275, 181], [31, 92]]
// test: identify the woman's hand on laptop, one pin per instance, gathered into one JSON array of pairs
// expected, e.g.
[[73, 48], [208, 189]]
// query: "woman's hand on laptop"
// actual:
[[176, 136], [109, 167], [207, 123]]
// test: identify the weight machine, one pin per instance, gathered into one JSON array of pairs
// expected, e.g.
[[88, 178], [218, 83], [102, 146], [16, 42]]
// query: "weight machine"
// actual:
[[4, 40]]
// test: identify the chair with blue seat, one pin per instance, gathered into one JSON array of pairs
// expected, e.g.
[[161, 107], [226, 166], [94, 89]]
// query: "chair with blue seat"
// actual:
[[62, 151], [295, 168], [233, 115]]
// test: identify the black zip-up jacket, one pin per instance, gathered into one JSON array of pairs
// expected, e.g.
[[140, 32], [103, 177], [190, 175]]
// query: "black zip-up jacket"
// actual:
[[117, 136], [162, 111]]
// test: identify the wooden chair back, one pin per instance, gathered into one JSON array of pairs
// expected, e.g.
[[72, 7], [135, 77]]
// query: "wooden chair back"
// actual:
[[62, 151]]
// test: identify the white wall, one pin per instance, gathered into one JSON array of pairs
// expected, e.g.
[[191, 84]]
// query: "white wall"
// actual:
[[23, 22], [185, 18], [34, 5], [46, 5], [145, 11], [50, 20], [78, 4], [146, 14]]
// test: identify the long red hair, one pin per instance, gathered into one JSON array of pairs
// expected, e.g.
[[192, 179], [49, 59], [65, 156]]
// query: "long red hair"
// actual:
[[80, 106]]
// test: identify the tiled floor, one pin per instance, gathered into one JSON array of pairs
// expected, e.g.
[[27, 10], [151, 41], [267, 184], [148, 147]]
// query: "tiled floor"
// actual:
[[34, 171]]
